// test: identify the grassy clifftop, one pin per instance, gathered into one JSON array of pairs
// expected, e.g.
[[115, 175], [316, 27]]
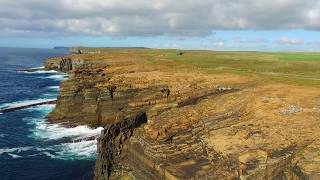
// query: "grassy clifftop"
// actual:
[[196, 114], [299, 68]]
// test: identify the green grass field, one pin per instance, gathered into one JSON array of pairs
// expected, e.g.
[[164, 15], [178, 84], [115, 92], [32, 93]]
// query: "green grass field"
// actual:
[[297, 68], [298, 56]]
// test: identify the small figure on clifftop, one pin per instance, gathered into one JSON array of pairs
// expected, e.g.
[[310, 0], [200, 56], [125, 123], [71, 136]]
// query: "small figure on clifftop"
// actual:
[[112, 89], [166, 91]]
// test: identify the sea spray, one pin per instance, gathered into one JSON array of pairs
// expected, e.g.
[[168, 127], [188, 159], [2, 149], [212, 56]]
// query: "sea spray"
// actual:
[[40, 72], [41, 159], [73, 142], [57, 77]]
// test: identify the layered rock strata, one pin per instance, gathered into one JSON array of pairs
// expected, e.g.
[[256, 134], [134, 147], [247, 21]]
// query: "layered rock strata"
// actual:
[[163, 123]]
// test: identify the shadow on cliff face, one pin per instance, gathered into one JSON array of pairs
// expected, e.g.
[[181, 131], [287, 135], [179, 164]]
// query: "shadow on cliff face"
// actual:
[[111, 143]]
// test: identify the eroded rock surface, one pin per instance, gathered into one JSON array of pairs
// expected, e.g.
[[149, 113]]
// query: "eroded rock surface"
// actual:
[[165, 123]]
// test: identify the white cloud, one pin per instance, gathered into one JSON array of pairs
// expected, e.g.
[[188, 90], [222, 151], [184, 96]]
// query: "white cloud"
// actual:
[[154, 17], [218, 44], [291, 41], [239, 39]]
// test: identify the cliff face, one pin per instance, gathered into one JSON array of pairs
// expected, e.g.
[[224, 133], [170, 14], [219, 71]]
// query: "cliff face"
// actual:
[[160, 123], [79, 98]]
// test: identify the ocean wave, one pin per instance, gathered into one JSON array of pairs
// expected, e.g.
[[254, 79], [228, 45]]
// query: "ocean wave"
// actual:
[[53, 87], [44, 149], [16, 149], [66, 143], [35, 151], [41, 110], [65, 151], [49, 155], [82, 140], [41, 72], [77, 150], [33, 155], [14, 156], [56, 131], [24, 103], [74, 142], [57, 77]]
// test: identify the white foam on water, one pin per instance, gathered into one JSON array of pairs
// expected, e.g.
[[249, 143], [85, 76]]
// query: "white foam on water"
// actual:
[[56, 131], [81, 140], [78, 142], [65, 151], [43, 110], [33, 155], [2, 135], [24, 103], [79, 146], [41, 72], [57, 77], [49, 155], [44, 149], [14, 156], [53, 87], [15, 152], [77, 150], [16, 149]]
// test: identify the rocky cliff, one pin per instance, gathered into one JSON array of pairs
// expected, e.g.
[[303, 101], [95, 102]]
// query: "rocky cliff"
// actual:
[[164, 123]]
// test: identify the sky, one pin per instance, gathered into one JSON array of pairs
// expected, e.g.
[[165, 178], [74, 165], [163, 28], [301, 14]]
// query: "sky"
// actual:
[[235, 25]]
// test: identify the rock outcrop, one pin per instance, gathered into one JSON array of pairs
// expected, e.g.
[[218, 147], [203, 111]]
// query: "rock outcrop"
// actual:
[[161, 122]]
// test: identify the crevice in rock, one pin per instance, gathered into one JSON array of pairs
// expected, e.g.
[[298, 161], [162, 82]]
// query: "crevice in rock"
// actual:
[[111, 143], [194, 100]]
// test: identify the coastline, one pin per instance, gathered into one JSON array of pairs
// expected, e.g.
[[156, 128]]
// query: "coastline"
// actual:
[[78, 134], [55, 152], [180, 124]]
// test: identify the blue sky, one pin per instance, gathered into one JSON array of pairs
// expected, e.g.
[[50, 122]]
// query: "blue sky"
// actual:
[[249, 25], [289, 40]]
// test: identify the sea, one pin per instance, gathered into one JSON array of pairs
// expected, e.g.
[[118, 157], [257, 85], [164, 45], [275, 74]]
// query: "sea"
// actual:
[[31, 148]]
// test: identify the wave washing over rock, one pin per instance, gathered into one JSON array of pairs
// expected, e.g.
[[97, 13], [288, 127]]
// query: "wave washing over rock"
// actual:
[[40, 72], [78, 142]]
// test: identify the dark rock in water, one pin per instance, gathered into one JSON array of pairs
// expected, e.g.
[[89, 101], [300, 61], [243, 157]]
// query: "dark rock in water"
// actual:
[[5, 110], [62, 65]]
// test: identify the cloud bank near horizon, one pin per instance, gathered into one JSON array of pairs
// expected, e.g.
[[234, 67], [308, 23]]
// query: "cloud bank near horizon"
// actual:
[[126, 18]]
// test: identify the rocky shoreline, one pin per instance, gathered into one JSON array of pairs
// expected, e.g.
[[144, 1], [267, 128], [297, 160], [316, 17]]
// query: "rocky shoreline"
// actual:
[[161, 123]]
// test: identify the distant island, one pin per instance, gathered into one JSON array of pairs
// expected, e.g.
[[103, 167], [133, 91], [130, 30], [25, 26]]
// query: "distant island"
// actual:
[[61, 47]]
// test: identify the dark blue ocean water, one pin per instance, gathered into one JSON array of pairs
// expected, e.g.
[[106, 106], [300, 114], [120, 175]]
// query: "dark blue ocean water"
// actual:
[[30, 148]]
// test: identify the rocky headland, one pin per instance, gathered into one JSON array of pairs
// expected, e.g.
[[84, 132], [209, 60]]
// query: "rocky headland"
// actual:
[[165, 119]]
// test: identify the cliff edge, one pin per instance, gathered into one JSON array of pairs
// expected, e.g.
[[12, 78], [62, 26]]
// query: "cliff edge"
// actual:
[[165, 119]]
